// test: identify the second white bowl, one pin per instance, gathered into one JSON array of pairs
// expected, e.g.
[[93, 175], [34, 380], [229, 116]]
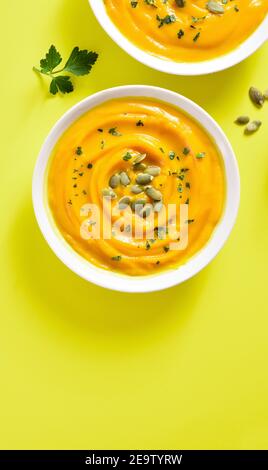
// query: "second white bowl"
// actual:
[[243, 51]]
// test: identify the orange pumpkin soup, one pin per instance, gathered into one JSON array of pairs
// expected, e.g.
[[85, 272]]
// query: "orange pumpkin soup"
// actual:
[[136, 156], [187, 30]]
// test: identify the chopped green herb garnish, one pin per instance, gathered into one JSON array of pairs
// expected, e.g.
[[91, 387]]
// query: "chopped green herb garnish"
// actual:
[[151, 3], [114, 131], [79, 151], [186, 151], [127, 156], [168, 19], [200, 155], [148, 245], [196, 36], [197, 19]]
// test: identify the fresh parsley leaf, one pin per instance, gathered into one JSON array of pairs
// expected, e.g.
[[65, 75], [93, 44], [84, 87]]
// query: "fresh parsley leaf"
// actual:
[[80, 62], [52, 60], [61, 83]]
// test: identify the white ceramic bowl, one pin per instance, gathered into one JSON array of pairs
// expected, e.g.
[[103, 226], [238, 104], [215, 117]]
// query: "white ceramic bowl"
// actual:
[[110, 279], [223, 62]]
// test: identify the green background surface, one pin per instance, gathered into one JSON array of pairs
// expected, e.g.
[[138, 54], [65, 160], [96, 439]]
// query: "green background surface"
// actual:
[[81, 367]]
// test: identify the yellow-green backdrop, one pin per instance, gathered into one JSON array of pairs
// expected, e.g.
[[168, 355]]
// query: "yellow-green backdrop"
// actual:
[[83, 367]]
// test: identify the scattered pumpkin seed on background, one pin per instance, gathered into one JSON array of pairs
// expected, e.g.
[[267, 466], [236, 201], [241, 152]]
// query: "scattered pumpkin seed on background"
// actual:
[[256, 96], [242, 120], [252, 127]]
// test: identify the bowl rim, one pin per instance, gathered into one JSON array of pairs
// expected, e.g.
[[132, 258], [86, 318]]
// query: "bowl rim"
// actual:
[[234, 57], [110, 279]]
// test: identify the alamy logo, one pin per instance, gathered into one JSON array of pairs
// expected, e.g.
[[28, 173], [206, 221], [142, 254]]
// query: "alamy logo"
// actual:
[[120, 222]]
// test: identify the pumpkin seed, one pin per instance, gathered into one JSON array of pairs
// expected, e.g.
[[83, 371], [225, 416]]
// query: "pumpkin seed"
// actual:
[[139, 158], [146, 211], [138, 204], [116, 258], [256, 96], [215, 7], [114, 181], [252, 127], [124, 202], [154, 194], [143, 178], [153, 170], [139, 167], [158, 206], [107, 192], [242, 120], [136, 189], [124, 178]]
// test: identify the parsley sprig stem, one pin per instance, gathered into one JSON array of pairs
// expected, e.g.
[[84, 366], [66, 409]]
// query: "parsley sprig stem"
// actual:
[[50, 74]]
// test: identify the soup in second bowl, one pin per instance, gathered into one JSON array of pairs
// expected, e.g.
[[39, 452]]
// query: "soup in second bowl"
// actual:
[[187, 30]]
